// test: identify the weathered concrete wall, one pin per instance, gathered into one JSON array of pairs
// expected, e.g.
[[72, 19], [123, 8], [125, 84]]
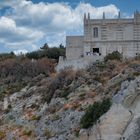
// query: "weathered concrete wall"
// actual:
[[74, 53], [80, 63], [118, 30], [122, 35], [124, 47], [74, 49], [74, 41]]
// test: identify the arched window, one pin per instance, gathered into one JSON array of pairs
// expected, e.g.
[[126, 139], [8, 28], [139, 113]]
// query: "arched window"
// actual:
[[95, 32]]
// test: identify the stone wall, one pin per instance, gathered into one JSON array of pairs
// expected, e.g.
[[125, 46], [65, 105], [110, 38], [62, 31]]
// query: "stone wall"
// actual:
[[122, 35], [74, 47], [109, 29], [80, 63], [73, 53], [119, 34]]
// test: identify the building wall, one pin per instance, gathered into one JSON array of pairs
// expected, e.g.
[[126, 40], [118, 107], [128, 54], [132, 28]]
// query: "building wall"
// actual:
[[109, 29], [74, 47], [74, 52], [119, 34]]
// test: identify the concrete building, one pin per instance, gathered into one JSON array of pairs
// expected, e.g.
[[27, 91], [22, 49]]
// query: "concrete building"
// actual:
[[103, 36]]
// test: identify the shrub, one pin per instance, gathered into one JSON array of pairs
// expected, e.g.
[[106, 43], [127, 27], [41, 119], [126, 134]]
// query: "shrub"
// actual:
[[52, 87], [52, 53], [27, 132], [76, 132], [1, 96], [55, 117], [94, 112], [7, 89], [136, 73], [4, 56], [137, 57], [13, 70], [97, 78], [101, 65], [130, 77], [62, 80], [2, 134], [113, 56], [12, 88], [55, 52], [48, 133], [35, 117], [64, 94]]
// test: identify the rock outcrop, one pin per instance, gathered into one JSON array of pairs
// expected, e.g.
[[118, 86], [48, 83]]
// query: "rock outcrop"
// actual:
[[122, 120], [28, 114]]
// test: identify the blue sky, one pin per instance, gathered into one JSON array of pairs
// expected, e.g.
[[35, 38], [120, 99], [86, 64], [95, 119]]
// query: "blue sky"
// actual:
[[26, 25]]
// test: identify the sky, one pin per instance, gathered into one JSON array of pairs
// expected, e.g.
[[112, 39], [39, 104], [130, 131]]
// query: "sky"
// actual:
[[25, 25]]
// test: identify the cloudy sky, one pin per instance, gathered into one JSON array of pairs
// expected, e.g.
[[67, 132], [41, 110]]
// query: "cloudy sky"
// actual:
[[25, 25]]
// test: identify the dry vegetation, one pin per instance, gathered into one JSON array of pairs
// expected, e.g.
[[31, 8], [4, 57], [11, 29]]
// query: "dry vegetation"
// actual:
[[16, 73], [70, 90]]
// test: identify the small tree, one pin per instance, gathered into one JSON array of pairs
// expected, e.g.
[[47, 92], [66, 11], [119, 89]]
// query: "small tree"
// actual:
[[45, 47], [94, 112], [61, 46]]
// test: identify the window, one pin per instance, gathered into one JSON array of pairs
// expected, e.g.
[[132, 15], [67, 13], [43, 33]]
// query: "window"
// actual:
[[95, 32], [95, 50]]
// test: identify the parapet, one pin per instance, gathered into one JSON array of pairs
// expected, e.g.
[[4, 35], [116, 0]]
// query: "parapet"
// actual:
[[137, 16]]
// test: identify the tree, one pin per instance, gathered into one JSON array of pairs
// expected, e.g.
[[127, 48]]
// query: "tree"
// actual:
[[61, 46], [45, 47]]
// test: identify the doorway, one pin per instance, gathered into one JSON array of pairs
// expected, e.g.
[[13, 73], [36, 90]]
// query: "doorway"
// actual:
[[95, 50]]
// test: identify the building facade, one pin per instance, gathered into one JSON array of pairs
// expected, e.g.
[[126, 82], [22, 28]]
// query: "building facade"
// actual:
[[103, 36]]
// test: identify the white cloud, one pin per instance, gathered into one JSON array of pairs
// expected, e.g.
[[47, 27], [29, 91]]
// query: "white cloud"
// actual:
[[14, 36], [11, 3], [28, 22], [96, 12], [57, 16]]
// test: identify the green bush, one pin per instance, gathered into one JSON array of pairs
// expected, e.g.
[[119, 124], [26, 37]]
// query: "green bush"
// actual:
[[27, 132], [10, 88], [2, 134], [137, 57], [4, 56], [52, 53], [35, 117], [94, 112], [65, 93], [101, 65], [113, 56]]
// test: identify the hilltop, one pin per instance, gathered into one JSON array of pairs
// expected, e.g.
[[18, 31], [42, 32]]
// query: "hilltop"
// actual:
[[100, 101]]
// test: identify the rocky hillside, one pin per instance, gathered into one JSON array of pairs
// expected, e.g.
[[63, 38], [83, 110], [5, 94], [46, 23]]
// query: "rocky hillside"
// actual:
[[52, 106]]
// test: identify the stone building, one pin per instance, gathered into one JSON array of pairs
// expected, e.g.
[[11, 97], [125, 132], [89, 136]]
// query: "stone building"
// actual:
[[103, 36]]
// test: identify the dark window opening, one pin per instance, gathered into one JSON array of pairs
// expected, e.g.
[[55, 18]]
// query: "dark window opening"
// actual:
[[95, 50], [95, 32]]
